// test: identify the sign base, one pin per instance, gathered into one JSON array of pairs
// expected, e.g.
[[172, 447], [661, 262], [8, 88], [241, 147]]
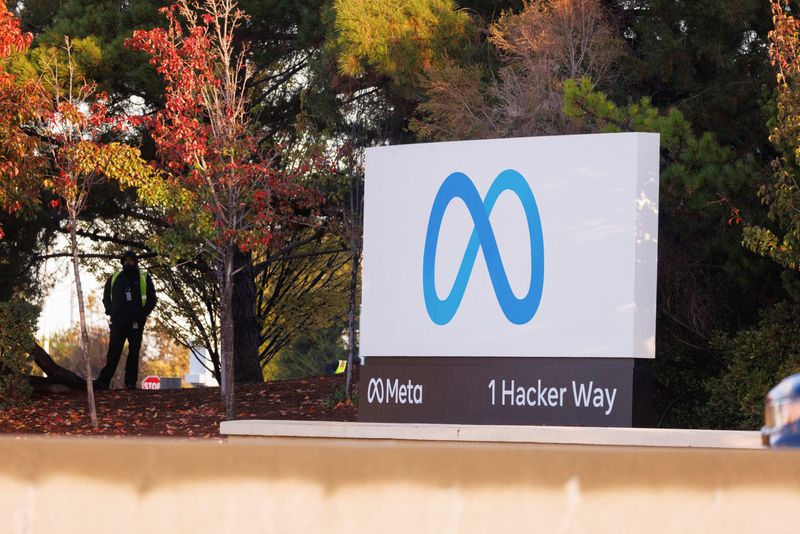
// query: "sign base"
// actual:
[[608, 392]]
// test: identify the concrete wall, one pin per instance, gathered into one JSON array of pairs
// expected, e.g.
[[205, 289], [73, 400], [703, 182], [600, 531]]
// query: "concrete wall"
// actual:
[[55, 485]]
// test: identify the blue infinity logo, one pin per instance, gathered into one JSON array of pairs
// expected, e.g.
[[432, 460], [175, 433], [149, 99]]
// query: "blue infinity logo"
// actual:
[[458, 185]]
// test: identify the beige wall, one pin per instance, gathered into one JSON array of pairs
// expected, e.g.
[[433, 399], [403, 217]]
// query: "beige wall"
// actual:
[[309, 485]]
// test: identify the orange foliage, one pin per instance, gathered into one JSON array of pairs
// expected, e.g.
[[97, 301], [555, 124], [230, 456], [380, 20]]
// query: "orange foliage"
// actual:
[[19, 104]]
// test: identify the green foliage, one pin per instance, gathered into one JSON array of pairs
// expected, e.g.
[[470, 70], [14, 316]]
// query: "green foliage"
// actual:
[[303, 291], [515, 89], [334, 71], [782, 195], [19, 251], [400, 41], [696, 171], [783, 199], [36, 14], [705, 186], [163, 193], [308, 355], [704, 56], [339, 396], [108, 23], [45, 60], [297, 296], [491, 9], [756, 359], [17, 327], [703, 270]]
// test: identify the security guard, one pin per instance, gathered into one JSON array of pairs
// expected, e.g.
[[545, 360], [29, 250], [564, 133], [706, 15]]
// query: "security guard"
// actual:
[[129, 297]]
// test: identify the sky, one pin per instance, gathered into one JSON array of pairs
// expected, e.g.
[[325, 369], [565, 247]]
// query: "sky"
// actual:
[[60, 309]]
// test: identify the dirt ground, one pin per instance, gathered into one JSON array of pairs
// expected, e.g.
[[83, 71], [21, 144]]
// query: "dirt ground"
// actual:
[[194, 412]]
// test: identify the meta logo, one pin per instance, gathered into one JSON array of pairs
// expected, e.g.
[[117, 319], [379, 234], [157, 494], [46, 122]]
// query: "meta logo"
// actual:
[[458, 185], [390, 391]]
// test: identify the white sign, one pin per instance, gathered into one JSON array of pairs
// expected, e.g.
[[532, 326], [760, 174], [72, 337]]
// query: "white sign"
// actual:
[[543, 246]]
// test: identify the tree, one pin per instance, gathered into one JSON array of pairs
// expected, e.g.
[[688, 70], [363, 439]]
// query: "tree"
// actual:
[[344, 190], [308, 354], [20, 218], [17, 327], [305, 290], [352, 219], [55, 131], [293, 86], [70, 129], [297, 290], [757, 359], [375, 60], [189, 309], [206, 141], [19, 190], [706, 58], [705, 189], [12, 38], [281, 37], [21, 161], [400, 42], [536, 50], [782, 196], [121, 73]]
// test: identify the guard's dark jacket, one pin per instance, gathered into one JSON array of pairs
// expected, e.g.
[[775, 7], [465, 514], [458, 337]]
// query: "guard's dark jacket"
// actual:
[[117, 304]]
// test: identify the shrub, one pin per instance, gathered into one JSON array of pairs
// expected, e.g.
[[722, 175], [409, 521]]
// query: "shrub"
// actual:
[[757, 359], [17, 326]]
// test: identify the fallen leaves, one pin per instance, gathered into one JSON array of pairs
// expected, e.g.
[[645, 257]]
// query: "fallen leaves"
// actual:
[[176, 413]]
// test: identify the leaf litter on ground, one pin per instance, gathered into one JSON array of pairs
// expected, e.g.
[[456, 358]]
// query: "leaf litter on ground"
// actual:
[[188, 412]]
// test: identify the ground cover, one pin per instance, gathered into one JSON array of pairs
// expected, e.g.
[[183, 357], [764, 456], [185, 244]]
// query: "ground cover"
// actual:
[[188, 412]]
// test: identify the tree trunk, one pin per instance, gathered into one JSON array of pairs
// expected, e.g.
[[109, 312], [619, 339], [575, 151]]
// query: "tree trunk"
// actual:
[[82, 314], [227, 343], [55, 373], [351, 321], [246, 365], [356, 235]]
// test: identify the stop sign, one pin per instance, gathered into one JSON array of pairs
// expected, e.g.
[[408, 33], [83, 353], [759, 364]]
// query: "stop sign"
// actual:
[[151, 382]]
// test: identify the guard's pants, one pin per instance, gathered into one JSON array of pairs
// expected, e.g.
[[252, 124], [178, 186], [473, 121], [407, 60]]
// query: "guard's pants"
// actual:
[[120, 332]]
